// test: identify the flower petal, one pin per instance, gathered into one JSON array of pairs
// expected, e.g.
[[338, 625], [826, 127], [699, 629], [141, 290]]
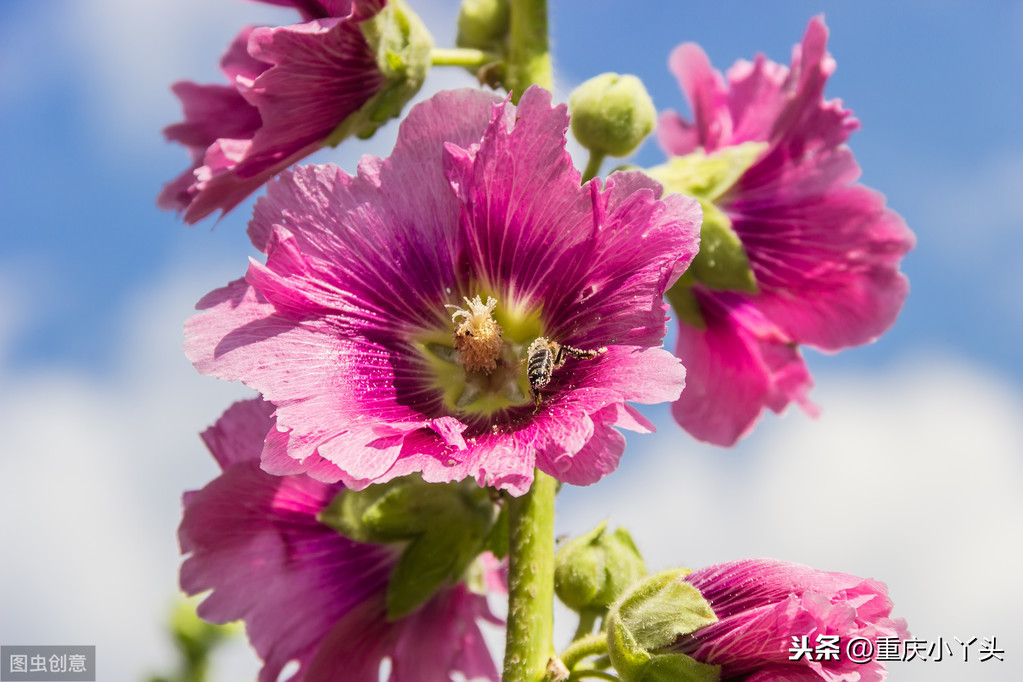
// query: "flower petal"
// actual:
[[740, 364]]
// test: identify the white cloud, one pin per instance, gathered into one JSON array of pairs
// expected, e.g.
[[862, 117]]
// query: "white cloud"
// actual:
[[910, 476], [93, 469]]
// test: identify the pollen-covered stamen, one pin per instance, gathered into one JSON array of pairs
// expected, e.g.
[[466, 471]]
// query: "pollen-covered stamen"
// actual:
[[477, 335]]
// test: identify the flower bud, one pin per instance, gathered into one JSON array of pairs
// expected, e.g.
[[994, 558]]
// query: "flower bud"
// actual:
[[652, 615], [611, 114], [402, 46], [592, 570], [483, 24]]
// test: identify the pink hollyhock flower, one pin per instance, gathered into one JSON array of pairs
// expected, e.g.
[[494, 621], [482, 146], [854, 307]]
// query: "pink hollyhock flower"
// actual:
[[305, 592], [762, 604], [409, 318], [293, 89], [816, 259]]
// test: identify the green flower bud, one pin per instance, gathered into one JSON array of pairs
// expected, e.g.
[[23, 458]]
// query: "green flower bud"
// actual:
[[402, 47], [483, 25], [652, 615], [592, 570], [611, 114], [443, 528]]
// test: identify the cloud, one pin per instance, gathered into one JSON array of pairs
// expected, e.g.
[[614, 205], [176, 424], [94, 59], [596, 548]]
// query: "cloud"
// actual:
[[911, 476], [93, 469]]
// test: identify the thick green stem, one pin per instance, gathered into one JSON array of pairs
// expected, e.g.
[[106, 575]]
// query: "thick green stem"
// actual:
[[593, 166], [530, 582], [457, 56], [529, 57]]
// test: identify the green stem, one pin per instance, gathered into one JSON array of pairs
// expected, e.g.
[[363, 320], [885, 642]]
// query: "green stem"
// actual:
[[592, 674], [587, 618], [530, 635], [457, 56], [593, 166], [529, 57], [591, 645]]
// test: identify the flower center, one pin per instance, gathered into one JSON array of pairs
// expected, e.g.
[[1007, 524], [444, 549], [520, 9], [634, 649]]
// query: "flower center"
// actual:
[[478, 362], [477, 335]]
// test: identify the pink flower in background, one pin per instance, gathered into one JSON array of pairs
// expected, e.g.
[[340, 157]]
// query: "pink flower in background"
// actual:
[[305, 592], [762, 603], [397, 312], [824, 252], [292, 90]]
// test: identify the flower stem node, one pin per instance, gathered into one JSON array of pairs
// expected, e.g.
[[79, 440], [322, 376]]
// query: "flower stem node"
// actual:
[[594, 569], [445, 527], [483, 25], [477, 335], [612, 114], [648, 619]]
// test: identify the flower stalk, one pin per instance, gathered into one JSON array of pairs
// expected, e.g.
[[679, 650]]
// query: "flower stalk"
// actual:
[[529, 643], [461, 56], [529, 57]]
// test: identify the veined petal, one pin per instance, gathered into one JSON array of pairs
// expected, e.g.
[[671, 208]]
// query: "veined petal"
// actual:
[[340, 328], [305, 592], [738, 365], [823, 252]]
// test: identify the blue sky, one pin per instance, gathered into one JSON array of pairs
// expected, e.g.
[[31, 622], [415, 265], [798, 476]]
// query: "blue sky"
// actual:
[[100, 410]]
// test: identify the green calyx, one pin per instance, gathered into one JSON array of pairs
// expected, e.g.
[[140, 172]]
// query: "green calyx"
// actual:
[[648, 620], [721, 263], [443, 527], [612, 114], [402, 45], [594, 569]]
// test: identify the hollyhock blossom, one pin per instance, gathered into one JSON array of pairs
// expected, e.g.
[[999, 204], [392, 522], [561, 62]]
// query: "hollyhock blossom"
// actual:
[[761, 604], [305, 592], [393, 320], [793, 252], [346, 69]]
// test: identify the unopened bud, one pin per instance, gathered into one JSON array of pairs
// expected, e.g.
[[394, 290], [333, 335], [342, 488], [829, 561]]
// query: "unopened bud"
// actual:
[[592, 570], [612, 114]]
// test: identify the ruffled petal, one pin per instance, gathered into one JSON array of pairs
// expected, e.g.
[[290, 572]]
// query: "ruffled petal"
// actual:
[[360, 269], [703, 85], [254, 540], [738, 365], [762, 604], [291, 87]]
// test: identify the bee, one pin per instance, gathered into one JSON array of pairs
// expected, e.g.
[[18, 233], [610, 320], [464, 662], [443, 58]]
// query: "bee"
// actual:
[[544, 356]]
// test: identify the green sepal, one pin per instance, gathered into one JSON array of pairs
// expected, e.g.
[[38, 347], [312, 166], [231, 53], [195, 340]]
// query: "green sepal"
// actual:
[[651, 617], [497, 540], [684, 302], [402, 46], [444, 528], [722, 262], [707, 177], [594, 569]]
